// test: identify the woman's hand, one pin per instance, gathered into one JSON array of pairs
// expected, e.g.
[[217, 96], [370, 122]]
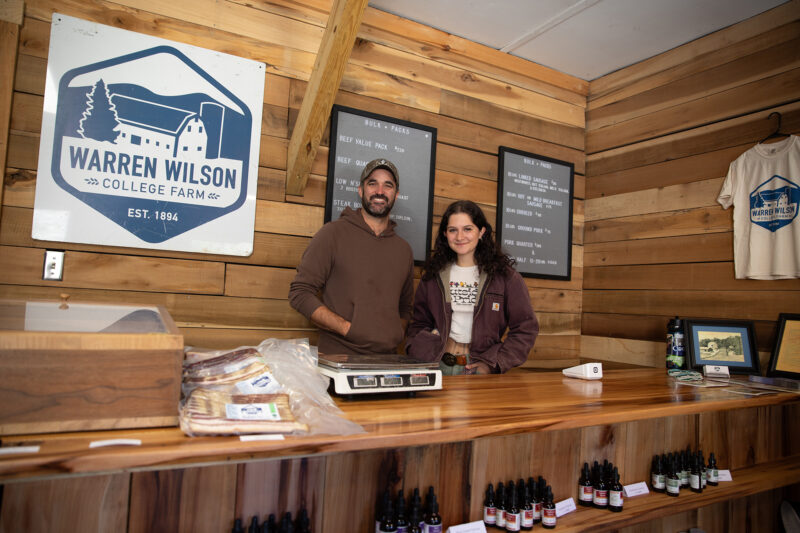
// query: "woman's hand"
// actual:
[[478, 367]]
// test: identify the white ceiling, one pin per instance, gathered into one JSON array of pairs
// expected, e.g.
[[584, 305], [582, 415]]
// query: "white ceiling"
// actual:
[[583, 38]]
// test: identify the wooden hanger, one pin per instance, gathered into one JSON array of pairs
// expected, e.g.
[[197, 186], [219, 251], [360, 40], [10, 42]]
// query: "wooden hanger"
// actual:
[[777, 133]]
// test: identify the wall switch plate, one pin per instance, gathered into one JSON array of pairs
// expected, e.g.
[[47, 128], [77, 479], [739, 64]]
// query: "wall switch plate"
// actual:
[[53, 265]]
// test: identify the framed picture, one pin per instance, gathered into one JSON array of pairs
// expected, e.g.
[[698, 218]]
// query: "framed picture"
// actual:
[[534, 213], [358, 137], [729, 343], [785, 360]]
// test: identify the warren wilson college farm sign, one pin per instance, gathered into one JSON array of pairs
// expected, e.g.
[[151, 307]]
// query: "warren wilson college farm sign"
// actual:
[[147, 143]]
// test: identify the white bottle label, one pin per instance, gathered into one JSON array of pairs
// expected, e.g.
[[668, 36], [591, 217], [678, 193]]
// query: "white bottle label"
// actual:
[[615, 498], [549, 517], [490, 515], [585, 493], [527, 518], [512, 522]]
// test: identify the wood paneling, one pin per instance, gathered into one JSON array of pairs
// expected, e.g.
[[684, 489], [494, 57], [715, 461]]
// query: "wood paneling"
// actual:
[[662, 135], [184, 500], [91, 504], [476, 97]]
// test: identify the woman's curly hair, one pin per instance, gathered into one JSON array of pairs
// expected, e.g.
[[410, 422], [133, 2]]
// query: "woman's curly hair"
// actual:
[[488, 255]]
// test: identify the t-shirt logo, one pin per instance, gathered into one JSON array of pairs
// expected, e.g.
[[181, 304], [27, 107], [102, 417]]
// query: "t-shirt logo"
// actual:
[[463, 293], [773, 204]]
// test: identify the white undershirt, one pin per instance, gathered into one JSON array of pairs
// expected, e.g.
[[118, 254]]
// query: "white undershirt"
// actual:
[[463, 297]]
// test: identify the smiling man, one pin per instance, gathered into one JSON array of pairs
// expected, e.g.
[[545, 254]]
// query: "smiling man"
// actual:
[[355, 280]]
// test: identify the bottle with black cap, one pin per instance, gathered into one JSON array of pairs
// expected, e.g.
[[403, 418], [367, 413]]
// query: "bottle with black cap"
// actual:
[[380, 508], [675, 348], [548, 510], [673, 479], [253, 525], [657, 481], [526, 510], [400, 519], [270, 525], [489, 507], [512, 513], [713, 471], [416, 501], [600, 492], [388, 524], [433, 522], [500, 521], [415, 519], [237, 526], [615, 493], [303, 522], [585, 487]]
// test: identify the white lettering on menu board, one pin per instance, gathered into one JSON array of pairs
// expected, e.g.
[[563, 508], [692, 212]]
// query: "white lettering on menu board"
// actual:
[[536, 214]]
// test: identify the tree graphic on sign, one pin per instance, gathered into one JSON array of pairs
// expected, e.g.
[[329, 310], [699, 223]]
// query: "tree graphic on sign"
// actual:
[[99, 120]]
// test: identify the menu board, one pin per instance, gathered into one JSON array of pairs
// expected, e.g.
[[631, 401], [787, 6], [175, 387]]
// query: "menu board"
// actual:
[[358, 137], [534, 213]]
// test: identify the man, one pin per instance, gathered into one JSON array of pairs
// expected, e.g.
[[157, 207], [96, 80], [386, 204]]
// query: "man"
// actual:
[[363, 270]]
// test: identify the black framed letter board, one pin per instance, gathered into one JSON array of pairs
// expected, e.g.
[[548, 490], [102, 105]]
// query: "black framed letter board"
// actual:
[[534, 213], [358, 137]]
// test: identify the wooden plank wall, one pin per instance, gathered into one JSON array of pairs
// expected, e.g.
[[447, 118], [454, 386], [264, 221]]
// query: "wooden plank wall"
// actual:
[[476, 97], [660, 137]]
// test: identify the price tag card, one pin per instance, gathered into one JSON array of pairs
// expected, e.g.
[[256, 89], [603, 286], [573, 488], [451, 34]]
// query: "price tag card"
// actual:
[[14, 450], [115, 442], [636, 489], [472, 527], [250, 438], [564, 507], [725, 475]]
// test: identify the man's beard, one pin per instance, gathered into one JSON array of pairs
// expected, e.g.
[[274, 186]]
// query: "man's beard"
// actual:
[[380, 212]]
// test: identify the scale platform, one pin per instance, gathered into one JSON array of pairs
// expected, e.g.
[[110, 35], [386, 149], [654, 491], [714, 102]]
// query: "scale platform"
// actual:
[[379, 373]]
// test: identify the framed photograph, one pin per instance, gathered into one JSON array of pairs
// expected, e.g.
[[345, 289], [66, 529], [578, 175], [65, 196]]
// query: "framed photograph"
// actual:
[[358, 137], [729, 343], [534, 213], [785, 360]]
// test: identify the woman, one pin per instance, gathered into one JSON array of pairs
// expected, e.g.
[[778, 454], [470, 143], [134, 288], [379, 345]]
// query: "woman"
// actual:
[[469, 296]]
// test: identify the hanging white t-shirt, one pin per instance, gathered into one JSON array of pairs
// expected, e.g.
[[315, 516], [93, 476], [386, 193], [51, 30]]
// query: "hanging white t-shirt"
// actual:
[[463, 297], [763, 185]]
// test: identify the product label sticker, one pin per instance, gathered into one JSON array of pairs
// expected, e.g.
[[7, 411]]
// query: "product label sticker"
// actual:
[[262, 384], [636, 489], [725, 475], [565, 506], [252, 411]]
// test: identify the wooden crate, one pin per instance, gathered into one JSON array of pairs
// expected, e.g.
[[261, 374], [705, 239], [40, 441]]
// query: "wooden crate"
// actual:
[[72, 367]]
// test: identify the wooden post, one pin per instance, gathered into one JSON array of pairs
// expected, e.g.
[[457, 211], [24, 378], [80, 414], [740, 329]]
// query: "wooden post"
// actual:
[[11, 14], [329, 66]]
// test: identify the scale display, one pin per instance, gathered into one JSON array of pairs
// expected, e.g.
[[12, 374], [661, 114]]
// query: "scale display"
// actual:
[[376, 373]]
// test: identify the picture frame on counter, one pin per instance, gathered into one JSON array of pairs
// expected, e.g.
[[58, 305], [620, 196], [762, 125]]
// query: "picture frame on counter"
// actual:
[[728, 343], [358, 137], [534, 213], [785, 359]]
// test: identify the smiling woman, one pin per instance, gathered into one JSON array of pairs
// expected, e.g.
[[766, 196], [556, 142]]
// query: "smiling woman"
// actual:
[[469, 296]]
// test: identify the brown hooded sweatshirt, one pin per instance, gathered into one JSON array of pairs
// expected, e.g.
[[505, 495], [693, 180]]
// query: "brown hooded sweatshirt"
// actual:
[[364, 278]]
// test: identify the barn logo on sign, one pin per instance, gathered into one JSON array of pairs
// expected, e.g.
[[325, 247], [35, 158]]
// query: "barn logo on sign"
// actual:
[[156, 164], [774, 203]]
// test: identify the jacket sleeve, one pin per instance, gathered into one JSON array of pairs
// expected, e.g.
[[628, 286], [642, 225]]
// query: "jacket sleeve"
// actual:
[[523, 326], [421, 343], [312, 273]]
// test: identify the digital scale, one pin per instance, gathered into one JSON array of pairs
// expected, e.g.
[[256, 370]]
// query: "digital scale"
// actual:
[[379, 373]]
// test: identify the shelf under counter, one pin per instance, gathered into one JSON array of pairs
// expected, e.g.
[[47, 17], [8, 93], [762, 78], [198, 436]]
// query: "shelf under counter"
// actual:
[[746, 482]]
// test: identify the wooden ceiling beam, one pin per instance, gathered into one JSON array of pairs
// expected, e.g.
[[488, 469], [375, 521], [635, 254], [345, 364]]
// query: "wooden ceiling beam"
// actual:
[[329, 66]]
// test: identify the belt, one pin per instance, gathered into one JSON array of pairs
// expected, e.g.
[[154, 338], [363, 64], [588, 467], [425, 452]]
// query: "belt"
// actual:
[[452, 360]]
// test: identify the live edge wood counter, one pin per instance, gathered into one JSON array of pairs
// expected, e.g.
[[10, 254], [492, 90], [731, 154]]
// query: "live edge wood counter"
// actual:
[[479, 429]]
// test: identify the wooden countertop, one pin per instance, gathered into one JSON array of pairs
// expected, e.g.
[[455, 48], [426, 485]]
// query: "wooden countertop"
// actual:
[[468, 407]]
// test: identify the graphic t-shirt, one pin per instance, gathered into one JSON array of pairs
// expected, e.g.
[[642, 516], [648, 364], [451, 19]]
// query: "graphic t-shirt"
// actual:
[[763, 185], [463, 296]]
